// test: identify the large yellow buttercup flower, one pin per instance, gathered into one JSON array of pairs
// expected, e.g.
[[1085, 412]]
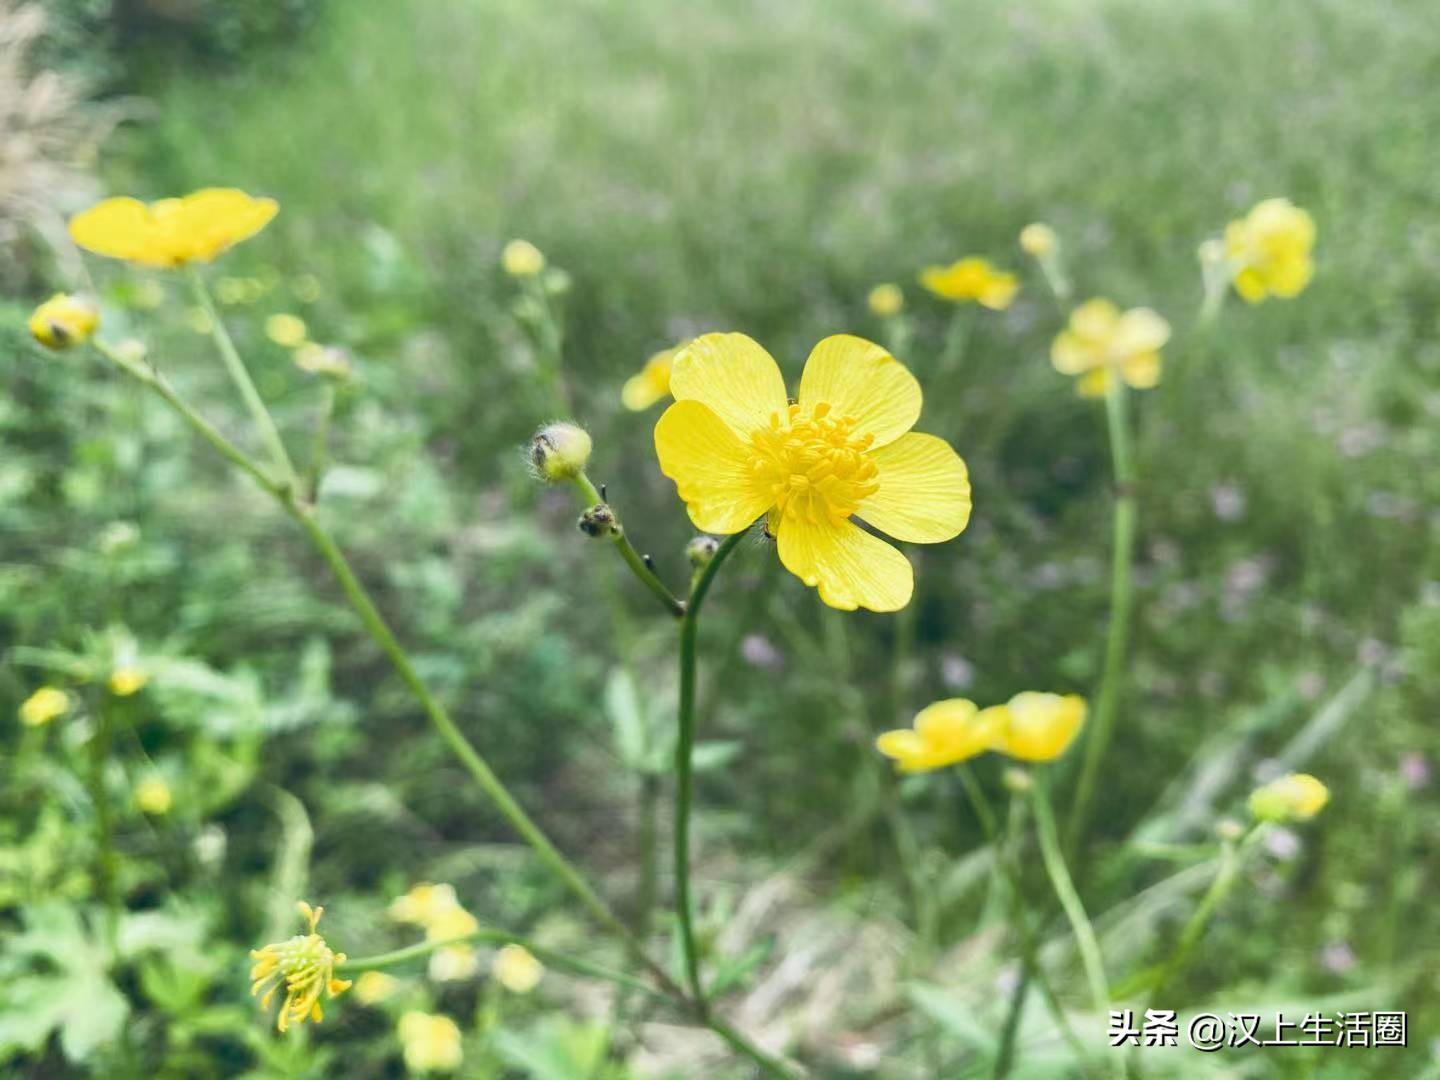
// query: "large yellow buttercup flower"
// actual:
[[737, 448], [945, 733], [1102, 343], [971, 279], [1269, 250], [172, 232]]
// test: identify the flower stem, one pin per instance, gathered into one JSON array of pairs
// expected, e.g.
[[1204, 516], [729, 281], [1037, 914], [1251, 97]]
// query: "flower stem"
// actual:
[[320, 448], [673, 604], [1069, 899], [1118, 633], [106, 863], [684, 751]]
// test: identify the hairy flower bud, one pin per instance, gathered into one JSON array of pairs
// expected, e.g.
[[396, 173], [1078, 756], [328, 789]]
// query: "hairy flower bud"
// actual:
[[599, 521], [1296, 797], [64, 321], [560, 451], [701, 550]]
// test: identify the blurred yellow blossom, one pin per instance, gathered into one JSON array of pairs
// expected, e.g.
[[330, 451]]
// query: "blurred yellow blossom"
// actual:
[[1039, 240], [944, 733], [327, 360], [152, 795], [286, 330], [304, 965], [520, 258], [651, 383], [516, 969], [971, 279], [457, 961], [1269, 250], [885, 300], [737, 449], [1101, 342], [1296, 797], [46, 704], [373, 987], [64, 321], [1038, 727], [172, 232], [128, 680], [423, 903], [431, 1042]]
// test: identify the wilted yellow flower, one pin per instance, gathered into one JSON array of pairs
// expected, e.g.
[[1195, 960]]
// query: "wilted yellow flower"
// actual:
[[64, 321], [945, 733], [1296, 797], [520, 258], [971, 279], [736, 449], [152, 795], [327, 360], [651, 383], [44, 705], [128, 680], [516, 969], [560, 451], [286, 330], [373, 987], [886, 300], [1038, 727], [1039, 240], [1101, 342], [1269, 250], [305, 966], [172, 232], [431, 1042]]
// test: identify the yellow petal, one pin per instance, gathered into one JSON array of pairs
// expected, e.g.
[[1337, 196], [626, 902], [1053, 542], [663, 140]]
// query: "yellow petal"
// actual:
[[1289, 277], [1095, 320], [1093, 383], [1041, 727], [860, 379], [1250, 284], [214, 219], [1139, 330], [901, 744], [1141, 372], [733, 376], [118, 228], [711, 468], [998, 291], [1073, 355], [941, 719], [650, 385], [850, 567], [924, 495]]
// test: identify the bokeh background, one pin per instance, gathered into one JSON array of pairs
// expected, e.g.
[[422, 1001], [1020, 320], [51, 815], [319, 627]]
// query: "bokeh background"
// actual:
[[697, 166]]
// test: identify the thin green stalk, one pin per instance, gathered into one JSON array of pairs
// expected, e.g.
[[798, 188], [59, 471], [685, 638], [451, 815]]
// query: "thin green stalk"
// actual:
[[684, 751], [590, 495], [649, 853], [1069, 899], [320, 447], [1118, 633], [956, 338], [106, 860], [264, 422]]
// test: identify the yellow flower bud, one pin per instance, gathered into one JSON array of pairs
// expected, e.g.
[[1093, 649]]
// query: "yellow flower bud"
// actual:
[[64, 321], [128, 680], [520, 258], [560, 451], [430, 1042], [1039, 240], [44, 705], [286, 330], [153, 796], [516, 969], [1296, 797], [885, 300]]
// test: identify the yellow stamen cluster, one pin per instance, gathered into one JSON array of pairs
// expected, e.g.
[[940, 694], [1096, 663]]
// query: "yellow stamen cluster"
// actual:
[[305, 966], [815, 466]]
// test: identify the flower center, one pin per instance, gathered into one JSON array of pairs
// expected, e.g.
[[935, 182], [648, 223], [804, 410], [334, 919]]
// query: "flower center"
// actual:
[[816, 467]]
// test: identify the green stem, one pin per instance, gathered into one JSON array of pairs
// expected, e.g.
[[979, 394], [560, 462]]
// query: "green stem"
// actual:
[[320, 448], [590, 495], [106, 862], [956, 337], [684, 751], [649, 853], [1069, 899], [264, 422], [1118, 632]]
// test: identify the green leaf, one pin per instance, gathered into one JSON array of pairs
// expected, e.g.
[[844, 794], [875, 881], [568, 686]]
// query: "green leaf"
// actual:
[[715, 753]]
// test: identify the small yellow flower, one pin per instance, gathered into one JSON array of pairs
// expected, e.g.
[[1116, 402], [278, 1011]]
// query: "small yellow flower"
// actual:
[[737, 449], [1038, 727], [560, 451], [44, 705], [651, 383], [305, 966], [128, 680], [424, 903], [286, 330], [516, 969], [456, 961], [1296, 797], [886, 300], [1269, 250], [152, 796], [971, 279], [373, 987], [1101, 342], [1039, 240], [520, 258], [64, 321], [431, 1042], [172, 232], [326, 360], [944, 733]]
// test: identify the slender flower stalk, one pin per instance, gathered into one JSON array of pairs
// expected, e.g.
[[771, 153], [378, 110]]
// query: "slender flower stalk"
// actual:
[[320, 447], [106, 860], [590, 496]]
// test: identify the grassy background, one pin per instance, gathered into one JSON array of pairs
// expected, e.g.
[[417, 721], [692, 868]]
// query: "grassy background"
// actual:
[[758, 167]]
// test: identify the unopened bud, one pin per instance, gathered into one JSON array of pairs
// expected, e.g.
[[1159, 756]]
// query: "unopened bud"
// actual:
[[560, 451], [701, 550], [599, 521], [520, 258], [1039, 240], [1018, 781], [64, 321]]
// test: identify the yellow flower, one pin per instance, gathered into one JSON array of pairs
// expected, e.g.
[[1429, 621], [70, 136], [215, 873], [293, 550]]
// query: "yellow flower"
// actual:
[[516, 969], [286, 330], [152, 795], [1101, 342], [305, 966], [1269, 250], [1038, 727], [651, 383], [373, 987], [456, 961], [64, 321], [128, 680], [1296, 797], [737, 449], [424, 903], [885, 300], [44, 705], [520, 258], [172, 232], [431, 1042], [326, 360], [1038, 240], [971, 279], [945, 733], [560, 451]]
